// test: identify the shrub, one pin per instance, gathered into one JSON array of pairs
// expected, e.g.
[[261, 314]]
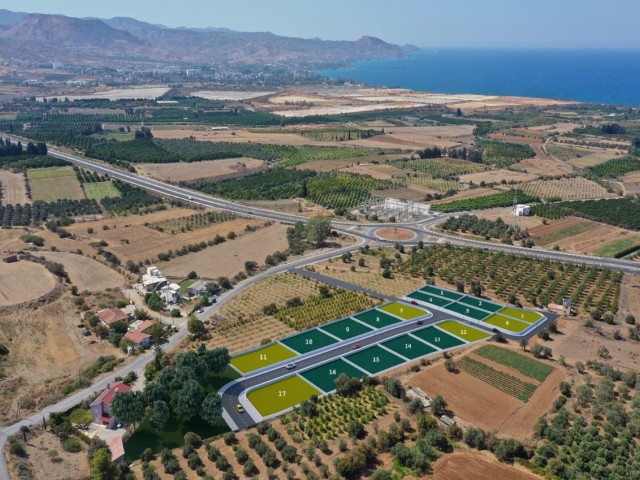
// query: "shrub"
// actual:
[[71, 445], [17, 448]]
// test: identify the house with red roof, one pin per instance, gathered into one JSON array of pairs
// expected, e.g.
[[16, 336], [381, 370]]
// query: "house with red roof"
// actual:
[[147, 324], [138, 338], [101, 406], [110, 316]]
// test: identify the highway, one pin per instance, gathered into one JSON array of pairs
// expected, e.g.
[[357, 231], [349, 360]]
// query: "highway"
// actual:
[[365, 232]]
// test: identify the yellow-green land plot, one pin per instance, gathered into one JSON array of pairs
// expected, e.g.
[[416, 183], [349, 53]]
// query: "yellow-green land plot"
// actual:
[[262, 357], [281, 395], [507, 323], [463, 331], [56, 183], [528, 316], [406, 312]]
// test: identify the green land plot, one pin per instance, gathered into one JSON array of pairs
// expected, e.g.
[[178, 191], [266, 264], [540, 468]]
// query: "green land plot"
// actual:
[[262, 357], [281, 395], [441, 292], [375, 359], [463, 331], [345, 329], [429, 298], [99, 190], [324, 375], [618, 248], [522, 315], [438, 338], [57, 183], [468, 311], [308, 341], [406, 312], [409, 347], [481, 303], [507, 323], [376, 318]]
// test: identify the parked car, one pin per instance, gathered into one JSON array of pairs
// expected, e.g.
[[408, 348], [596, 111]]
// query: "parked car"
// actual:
[[239, 408], [200, 310]]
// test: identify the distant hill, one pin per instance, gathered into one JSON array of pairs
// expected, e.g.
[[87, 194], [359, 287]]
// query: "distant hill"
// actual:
[[89, 40]]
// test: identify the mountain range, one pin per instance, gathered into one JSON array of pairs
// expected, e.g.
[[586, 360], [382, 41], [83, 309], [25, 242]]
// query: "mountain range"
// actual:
[[44, 38]]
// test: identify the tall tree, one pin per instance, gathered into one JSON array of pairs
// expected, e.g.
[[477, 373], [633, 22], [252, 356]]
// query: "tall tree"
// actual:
[[128, 407], [211, 409], [160, 415], [187, 400], [318, 230]]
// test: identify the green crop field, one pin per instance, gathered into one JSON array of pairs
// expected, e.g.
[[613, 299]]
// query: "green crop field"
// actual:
[[438, 338], [433, 300], [409, 347], [308, 341], [441, 292], [100, 190], [481, 303], [463, 331], [619, 248], [407, 312], [345, 329], [525, 365], [521, 314], [56, 183], [281, 395], [374, 359], [502, 381], [324, 375], [376, 318], [507, 323], [262, 357], [468, 311]]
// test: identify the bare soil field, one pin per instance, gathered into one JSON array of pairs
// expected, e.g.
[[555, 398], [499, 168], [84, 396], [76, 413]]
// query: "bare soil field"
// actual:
[[399, 234], [578, 235], [500, 102], [578, 343], [467, 463], [470, 193], [339, 109], [14, 188], [46, 349], [86, 273], [411, 192], [629, 302], [416, 138], [145, 92], [241, 136], [557, 128], [298, 206], [506, 214], [631, 183], [576, 188], [40, 451], [179, 172], [379, 171], [285, 99], [229, 94], [478, 403], [227, 259], [23, 281], [542, 164], [496, 176], [62, 183]]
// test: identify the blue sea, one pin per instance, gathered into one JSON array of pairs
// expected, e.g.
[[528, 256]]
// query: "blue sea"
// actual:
[[598, 76]]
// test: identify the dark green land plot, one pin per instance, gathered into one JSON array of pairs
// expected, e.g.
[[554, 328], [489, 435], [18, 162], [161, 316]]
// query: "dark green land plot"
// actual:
[[428, 298], [468, 311], [481, 303], [345, 329], [437, 338], [409, 347], [324, 375], [375, 359], [441, 292], [376, 318], [308, 341]]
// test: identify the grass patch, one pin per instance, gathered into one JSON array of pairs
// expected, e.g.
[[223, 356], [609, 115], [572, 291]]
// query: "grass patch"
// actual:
[[57, 183], [615, 249], [520, 314], [99, 190], [281, 395], [507, 323]]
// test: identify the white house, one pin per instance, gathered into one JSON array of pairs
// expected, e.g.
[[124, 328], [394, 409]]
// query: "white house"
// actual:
[[522, 210], [152, 281], [171, 293]]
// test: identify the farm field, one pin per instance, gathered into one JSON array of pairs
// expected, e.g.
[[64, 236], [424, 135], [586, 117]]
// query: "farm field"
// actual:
[[581, 157], [210, 169], [281, 395], [13, 187], [147, 93], [575, 234], [576, 188], [496, 378], [99, 190], [324, 375], [420, 137], [23, 281], [441, 167], [56, 183], [261, 358], [619, 248], [463, 464], [523, 364], [227, 259], [497, 175], [86, 273], [478, 403], [494, 200]]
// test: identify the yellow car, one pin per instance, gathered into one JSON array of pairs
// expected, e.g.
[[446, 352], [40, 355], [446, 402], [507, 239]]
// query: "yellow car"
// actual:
[[239, 408]]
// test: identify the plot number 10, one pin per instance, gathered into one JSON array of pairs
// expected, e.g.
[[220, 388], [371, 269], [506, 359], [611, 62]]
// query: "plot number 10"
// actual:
[[308, 341]]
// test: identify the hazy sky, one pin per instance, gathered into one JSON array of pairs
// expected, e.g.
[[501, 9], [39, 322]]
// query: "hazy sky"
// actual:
[[425, 23]]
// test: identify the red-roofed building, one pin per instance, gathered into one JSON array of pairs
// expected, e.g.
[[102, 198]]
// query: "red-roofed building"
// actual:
[[101, 406], [138, 338], [146, 325], [112, 315], [116, 447]]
